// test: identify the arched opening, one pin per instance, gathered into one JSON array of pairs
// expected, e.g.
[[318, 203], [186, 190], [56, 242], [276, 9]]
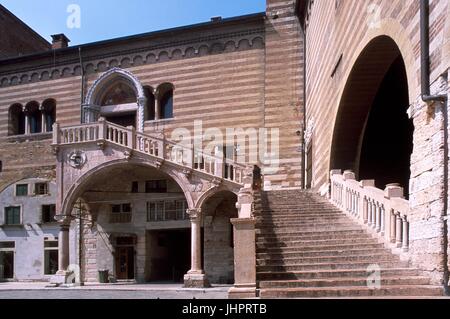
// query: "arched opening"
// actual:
[[373, 135], [165, 97], [49, 114], [218, 256], [139, 224], [16, 120], [34, 115], [119, 103]]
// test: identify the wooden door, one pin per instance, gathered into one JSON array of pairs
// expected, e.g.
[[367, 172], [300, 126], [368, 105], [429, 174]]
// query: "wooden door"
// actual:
[[124, 263]]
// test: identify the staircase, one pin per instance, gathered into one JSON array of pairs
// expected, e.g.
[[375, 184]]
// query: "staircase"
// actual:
[[308, 248]]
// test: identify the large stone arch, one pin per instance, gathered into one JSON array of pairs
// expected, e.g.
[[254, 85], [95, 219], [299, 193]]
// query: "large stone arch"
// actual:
[[76, 189], [360, 112], [91, 100], [393, 30], [210, 193]]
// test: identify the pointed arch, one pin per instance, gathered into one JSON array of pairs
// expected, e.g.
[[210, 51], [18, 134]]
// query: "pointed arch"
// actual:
[[97, 90]]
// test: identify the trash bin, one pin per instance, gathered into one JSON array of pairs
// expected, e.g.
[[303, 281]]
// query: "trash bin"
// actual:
[[103, 275]]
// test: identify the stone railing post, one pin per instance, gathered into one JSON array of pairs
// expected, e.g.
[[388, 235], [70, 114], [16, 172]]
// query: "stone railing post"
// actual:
[[219, 163], [392, 225], [244, 258], [333, 187], [398, 230], [131, 137], [102, 128], [364, 203], [56, 134], [405, 233], [393, 191]]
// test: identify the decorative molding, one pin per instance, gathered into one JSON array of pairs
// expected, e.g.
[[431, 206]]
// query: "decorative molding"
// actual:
[[309, 131], [194, 214], [216, 44], [77, 159]]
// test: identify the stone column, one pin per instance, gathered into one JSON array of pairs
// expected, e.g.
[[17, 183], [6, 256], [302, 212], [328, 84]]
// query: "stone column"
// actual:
[[61, 277], [63, 248], [27, 121], [43, 121], [244, 258], [195, 278], [157, 109]]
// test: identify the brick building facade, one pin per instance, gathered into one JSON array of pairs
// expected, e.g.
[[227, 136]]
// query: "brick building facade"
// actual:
[[18, 38], [91, 137]]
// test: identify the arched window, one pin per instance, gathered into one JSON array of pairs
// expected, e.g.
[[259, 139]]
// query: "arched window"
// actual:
[[150, 106], [34, 117], [16, 120], [165, 94], [118, 93], [49, 115]]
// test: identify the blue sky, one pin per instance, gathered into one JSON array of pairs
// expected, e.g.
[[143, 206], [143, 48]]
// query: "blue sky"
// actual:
[[106, 19]]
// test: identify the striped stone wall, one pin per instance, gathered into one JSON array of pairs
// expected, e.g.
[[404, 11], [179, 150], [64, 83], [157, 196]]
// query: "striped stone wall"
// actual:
[[219, 74]]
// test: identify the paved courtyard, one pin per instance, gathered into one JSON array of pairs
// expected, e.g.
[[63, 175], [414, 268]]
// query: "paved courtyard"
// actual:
[[109, 291]]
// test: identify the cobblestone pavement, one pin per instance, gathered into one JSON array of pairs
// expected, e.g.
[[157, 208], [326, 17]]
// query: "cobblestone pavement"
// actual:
[[119, 291]]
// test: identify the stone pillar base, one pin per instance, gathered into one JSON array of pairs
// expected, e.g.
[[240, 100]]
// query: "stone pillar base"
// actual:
[[196, 280], [242, 292]]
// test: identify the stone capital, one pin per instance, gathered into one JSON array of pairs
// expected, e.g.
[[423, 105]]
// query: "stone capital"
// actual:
[[194, 214]]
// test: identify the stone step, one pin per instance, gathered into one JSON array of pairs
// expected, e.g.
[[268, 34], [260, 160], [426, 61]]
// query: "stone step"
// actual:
[[293, 229], [328, 273], [298, 209], [320, 248], [320, 236], [306, 227], [372, 258], [329, 266], [301, 224], [270, 232], [276, 220], [386, 291], [322, 253], [313, 235], [309, 243], [340, 282]]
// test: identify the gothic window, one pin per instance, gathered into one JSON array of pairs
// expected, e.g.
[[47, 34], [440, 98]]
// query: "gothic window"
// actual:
[[165, 96], [118, 93], [167, 105], [150, 106], [34, 117], [49, 112], [16, 120]]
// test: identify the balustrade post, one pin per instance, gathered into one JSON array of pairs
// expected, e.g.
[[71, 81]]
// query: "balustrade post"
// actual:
[[392, 223], [398, 231], [365, 210], [405, 234], [102, 129], [131, 137], [378, 218], [219, 163], [382, 220], [56, 134]]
